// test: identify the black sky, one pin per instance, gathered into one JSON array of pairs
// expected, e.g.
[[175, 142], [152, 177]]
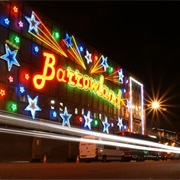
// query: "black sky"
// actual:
[[142, 36]]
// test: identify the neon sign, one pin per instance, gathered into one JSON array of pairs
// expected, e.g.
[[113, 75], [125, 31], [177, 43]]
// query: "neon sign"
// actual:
[[75, 79]]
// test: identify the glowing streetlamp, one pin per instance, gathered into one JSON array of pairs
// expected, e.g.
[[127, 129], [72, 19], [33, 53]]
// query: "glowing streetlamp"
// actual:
[[155, 105]]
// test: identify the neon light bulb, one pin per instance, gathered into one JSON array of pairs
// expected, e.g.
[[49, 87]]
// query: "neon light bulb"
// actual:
[[21, 89], [88, 120], [52, 107], [54, 114], [11, 106], [17, 39], [33, 107], [20, 24], [52, 101], [124, 90], [14, 107], [6, 21], [112, 124], [110, 69], [15, 9], [26, 76], [56, 35], [10, 57], [80, 119], [81, 48], [10, 79], [2, 92], [128, 105], [95, 122], [36, 49]]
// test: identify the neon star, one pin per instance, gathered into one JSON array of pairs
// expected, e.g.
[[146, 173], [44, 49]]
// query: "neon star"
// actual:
[[6, 21], [10, 57], [88, 120], [20, 24], [104, 63], [121, 76], [88, 57], [33, 107], [2, 92], [10, 79], [33, 23], [68, 40], [21, 89], [54, 114], [106, 125], [65, 116], [120, 124], [128, 104]]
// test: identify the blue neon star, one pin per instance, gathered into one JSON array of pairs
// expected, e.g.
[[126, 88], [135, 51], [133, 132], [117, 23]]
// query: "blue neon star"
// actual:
[[10, 57], [88, 120], [104, 63], [106, 125], [121, 76], [33, 23], [65, 116], [120, 124], [68, 40], [33, 107]]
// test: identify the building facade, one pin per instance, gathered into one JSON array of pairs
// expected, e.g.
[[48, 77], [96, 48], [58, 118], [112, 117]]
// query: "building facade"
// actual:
[[48, 75]]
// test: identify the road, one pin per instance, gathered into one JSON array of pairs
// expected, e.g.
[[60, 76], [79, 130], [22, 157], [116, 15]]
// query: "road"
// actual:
[[94, 170]]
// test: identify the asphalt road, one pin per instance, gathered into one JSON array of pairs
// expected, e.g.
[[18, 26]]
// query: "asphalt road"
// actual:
[[94, 170]]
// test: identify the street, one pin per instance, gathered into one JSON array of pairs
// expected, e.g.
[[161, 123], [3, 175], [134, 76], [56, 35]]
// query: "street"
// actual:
[[94, 170]]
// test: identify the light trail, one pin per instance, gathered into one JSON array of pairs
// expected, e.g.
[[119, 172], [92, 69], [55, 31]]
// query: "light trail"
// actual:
[[78, 139], [43, 125]]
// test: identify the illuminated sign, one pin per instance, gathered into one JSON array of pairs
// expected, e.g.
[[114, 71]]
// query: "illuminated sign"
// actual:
[[75, 79]]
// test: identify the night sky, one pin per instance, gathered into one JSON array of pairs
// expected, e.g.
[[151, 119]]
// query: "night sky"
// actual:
[[141, 36]]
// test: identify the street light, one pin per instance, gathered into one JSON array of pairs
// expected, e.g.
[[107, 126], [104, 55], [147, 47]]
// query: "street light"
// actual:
[[155, 105]]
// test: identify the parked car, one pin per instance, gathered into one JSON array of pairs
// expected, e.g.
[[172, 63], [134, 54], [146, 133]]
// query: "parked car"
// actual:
[[175, 156]]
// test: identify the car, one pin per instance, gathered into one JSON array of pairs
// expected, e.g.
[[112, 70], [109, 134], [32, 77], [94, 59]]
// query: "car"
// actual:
[[175, 156]]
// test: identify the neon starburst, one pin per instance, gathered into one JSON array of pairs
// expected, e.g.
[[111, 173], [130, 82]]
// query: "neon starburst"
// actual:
[[41, 32], [73, 50], [116, 77], [97, 67]]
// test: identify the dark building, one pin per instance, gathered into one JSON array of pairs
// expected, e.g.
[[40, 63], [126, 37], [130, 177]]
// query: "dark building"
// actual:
[[50, 77]]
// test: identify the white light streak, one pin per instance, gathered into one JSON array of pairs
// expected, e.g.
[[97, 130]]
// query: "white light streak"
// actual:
[[78, 139], [44, 125]]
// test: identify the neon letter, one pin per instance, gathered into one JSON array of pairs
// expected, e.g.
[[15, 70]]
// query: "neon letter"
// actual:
[[39, 80]]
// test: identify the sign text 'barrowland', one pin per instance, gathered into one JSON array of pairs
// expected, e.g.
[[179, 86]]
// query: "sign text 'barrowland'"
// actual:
[[75, 79]]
